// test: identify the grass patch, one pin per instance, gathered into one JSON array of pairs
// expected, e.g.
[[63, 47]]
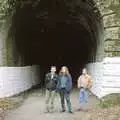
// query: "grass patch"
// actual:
[[14, 101], [110, 101], [7, 103]]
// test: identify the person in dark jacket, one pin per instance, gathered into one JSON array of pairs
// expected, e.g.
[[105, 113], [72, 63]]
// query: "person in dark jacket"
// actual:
[[51, 80], [64, 87]]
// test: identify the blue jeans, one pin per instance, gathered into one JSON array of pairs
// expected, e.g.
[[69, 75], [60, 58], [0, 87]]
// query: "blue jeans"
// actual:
[[83, 96]]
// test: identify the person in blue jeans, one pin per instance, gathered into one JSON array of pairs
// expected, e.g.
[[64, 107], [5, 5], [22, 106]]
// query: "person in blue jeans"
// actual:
[[64, 87], [84, 84]]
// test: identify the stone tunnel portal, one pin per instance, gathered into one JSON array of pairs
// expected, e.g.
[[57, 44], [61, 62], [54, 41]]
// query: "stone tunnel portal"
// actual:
[[57, 33]]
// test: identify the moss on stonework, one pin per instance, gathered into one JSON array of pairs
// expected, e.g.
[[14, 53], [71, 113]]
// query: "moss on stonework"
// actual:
[[9, 54], [7, 6], [117, 42], [116, 53], [9, 41], [115, 9]]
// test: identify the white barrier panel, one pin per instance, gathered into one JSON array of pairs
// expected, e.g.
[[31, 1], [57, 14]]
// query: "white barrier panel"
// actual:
[[111, 60], [96, 70], [106, 76], [14, 80]]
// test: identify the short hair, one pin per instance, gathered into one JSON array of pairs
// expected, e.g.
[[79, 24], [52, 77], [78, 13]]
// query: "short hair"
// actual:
[[53, 66]]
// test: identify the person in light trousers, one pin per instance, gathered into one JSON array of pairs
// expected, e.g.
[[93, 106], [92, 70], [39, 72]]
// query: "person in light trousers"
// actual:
[[51, 80], [84, 84]]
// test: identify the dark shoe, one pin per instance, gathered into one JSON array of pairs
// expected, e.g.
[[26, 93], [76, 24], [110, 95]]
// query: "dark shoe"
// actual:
[[70, 112], [62, 111]]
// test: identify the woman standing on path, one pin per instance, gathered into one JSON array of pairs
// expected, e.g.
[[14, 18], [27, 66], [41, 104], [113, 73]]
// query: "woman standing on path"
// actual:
[[64, 87]]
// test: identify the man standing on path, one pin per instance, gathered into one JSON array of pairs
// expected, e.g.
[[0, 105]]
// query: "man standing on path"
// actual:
[[51, 79]]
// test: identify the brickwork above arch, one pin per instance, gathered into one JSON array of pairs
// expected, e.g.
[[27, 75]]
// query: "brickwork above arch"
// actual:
[[110, 12]]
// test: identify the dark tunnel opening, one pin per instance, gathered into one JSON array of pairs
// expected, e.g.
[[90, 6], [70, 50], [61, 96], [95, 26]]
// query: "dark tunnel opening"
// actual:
[[47, 35]]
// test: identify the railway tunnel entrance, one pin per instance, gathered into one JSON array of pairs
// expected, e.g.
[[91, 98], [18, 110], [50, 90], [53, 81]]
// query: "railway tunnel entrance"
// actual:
[[58, 32]]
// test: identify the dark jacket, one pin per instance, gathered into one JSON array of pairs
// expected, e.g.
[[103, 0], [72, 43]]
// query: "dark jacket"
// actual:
[[68, 86], [51, 84]]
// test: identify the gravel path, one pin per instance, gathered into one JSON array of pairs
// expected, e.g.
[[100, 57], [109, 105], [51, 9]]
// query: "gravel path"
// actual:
[[33, 109]]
